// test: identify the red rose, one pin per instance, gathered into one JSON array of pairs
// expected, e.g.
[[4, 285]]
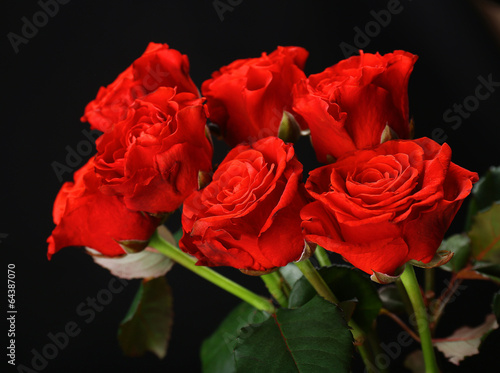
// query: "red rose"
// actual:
[[349, 105], [86, 217], [381, 208], [159, 66], [248, 217], [154, 156], [247, 98]]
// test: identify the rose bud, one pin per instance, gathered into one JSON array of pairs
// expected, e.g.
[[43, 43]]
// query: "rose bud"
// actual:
[[248, 98], [153, 158], [159, 66], [357, 103], [248, 217], [383, 207]]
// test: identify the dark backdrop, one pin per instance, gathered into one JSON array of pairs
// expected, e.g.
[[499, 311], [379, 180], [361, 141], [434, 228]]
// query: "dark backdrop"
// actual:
[[48, 82]]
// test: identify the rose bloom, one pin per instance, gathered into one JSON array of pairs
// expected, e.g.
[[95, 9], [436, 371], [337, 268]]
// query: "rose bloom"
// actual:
[[248, 217], [383, 207], [86, 217], [153, 157], [159, 66], [357, 103], [247, 98]]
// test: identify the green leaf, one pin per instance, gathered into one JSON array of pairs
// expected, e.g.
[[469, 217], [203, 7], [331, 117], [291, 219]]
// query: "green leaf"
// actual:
[[487, 189], [485, 235], [471, 212], [496, 305], [147, 325], [311, 339], [217, 351], [484, 194], [459, 245], [488, 269], [347, 283]]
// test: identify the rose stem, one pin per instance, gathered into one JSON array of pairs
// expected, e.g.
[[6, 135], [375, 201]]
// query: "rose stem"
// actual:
[[404, 297], [273, 284], [317, 282], [322, 257], [429, 282], [410, 283], [230, 286], [315, 279]]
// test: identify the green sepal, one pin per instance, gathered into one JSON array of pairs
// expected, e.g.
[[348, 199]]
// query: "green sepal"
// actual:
[[383, 278], [289, 130], [440, 257], [133, 246]]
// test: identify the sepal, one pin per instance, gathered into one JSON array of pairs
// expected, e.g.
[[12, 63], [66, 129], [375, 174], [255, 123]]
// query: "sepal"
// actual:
[[289, 130], [383, 278], [441, 257]]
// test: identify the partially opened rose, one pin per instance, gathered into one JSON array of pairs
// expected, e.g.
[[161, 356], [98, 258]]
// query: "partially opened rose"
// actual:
[[153, 158], [248, 217], [86, 217], [247, 98], [357, 103], [383, 207], [159, 66]]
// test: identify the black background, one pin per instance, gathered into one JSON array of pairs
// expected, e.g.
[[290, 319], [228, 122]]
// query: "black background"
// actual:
[[46, 85]]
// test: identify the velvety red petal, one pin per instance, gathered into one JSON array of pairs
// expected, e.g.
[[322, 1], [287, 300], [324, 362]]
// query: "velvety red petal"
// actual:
[[98, 221]]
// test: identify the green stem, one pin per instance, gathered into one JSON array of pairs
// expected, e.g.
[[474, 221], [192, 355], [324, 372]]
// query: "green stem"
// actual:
[[429, 282], [367, 357], [321, 287], [273, 284], [410, 283], [322, 257], [317, 282], [174, 253], [404, 297], [374, 343]]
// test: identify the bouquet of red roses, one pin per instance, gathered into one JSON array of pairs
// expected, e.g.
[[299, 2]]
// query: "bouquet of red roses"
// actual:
[[382, 200]]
